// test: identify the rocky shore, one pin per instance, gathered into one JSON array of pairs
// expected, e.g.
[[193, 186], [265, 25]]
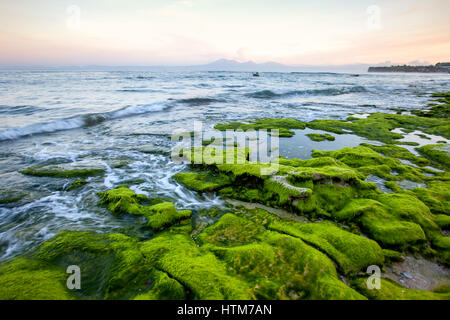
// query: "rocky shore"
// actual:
[[257, 248]]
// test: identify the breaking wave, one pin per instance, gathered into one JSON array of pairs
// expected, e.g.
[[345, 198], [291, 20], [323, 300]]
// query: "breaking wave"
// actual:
[[268, 94], [79, 121]]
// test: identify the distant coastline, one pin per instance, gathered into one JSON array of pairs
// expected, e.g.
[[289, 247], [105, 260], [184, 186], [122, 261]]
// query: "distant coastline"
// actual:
[[437, 68]]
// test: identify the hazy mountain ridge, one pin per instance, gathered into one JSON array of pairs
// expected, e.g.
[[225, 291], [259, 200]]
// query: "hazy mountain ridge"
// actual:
[[218, 65]]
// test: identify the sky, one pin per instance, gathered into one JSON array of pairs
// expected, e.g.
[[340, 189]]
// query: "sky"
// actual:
[[190, 32]]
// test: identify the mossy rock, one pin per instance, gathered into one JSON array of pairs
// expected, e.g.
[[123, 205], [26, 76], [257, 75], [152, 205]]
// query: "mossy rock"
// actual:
[[436, 196], [442, 221], [165, 214], [320, 137], [62, 172], [283, 125], [389, 290], [205, 275], [26, 279], [202, 182], [76, 184], [351, 252], [438, 153], [393, 256], [159, 216], [10, 196], [394, 151]]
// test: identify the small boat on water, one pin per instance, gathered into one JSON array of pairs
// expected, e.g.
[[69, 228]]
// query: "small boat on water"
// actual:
[[256, 74]]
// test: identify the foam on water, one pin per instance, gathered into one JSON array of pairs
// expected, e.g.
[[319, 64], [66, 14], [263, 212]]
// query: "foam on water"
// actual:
[[79, 121]]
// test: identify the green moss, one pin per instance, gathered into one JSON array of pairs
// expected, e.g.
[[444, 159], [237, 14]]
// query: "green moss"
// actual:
[[163, 287], [355, 208], [351, 252], [368, 161], [409, 208], [230, 230], [201, 272], [390, 290], [379, 126], [25, 279], [284, 267], [374, 127], [394, 151], [393, 256], [202, 182], [164, 214], [124, 200], [440, 108], [438, 153], [10, 196], [442, 221], [112, 266], [436, 196], [320, 136], [283, 125], [59, 172], [76, 184], [377, 222]]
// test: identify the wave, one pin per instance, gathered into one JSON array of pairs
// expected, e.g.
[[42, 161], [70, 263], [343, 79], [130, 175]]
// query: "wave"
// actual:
[[268, 94], [79, 121], [20, 110], [199, 101], [138, 90]]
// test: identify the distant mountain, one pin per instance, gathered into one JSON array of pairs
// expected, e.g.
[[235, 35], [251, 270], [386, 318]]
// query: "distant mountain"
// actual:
[[219, 65], [250, 66]]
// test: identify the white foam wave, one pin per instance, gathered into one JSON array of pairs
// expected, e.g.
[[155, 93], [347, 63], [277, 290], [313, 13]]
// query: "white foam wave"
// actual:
[[79, 121]]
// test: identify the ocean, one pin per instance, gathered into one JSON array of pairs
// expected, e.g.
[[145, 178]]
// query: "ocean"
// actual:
[[102, 119]]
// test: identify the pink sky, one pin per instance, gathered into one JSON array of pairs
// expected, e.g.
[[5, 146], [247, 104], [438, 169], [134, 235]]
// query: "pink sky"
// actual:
[[113, 32]]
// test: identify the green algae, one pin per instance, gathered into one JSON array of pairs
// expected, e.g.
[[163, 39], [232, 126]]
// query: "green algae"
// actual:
[[165, 214], [163, 287], [438, 153], [389, 290], [25, 279], [394, 151], [320, 137], [159, 216], [439, 108], [284, 126], [10, 196], [59, 172], [200, 271], [368, 161], [391, 232], [392, 256], [108, 265], [351, 252], [276, 266], [442, 221], [379, 126], [436, 196], [202, 182], [76, 184]]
